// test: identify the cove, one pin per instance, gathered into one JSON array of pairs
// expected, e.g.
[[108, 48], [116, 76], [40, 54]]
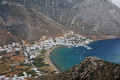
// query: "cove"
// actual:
[[64, 58]]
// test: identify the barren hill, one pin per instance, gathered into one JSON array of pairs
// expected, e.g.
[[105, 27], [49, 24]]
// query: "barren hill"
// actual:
[[27, 23], [30, 19], [91, 68], [87, 17]]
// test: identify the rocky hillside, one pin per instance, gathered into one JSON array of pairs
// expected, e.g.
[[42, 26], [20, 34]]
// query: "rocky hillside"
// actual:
[[31, 19], [5, 36], [94, 18], [91, 68], [88, 17], [26, 23]]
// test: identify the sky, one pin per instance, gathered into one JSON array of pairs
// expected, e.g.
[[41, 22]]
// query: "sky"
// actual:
[[117, 2]]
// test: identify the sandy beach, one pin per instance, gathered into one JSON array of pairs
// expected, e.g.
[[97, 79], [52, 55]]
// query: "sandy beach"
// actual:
[[48, 61]]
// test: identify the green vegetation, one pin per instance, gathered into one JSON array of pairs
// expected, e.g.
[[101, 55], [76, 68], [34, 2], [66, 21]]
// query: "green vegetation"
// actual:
[[53, 72], [29, 71], [43, 51], [38, 62], [22, 64], [21, 74], [44, 71]]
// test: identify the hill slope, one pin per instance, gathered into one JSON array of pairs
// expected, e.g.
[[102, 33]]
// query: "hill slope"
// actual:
[[87, 17], [26, 20], [91, 68], [94, 18], [27, 23], [5, 36]]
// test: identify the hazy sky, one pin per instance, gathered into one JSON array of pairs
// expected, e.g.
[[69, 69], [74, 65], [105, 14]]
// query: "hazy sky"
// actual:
[[117, 2]]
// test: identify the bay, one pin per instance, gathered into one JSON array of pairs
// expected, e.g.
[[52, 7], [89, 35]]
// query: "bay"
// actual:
[[64, 58]]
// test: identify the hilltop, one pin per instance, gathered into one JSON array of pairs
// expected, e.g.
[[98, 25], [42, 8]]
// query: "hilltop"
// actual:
[[92, 68]]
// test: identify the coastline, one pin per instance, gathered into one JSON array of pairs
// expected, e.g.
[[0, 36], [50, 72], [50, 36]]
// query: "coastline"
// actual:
[[48, 61]]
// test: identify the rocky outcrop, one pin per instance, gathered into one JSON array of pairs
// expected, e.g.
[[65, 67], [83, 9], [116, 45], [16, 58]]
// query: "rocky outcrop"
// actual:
[[91, 68]]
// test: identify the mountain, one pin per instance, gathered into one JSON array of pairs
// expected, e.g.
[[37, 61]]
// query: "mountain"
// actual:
[[94, 18], [87, 17], [31, 19], [5, 36], [92, 68], [26, 23]]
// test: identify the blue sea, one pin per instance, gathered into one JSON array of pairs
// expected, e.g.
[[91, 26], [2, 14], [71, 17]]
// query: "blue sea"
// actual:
[[64, 58]]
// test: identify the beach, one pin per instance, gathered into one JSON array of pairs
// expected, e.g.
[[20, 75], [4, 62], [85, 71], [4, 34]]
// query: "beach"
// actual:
[[48, 61]]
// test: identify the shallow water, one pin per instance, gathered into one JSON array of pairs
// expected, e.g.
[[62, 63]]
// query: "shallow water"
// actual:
[[64, 58]]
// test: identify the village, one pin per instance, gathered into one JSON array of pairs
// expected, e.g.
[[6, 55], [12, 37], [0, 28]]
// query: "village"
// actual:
[[31, 51]]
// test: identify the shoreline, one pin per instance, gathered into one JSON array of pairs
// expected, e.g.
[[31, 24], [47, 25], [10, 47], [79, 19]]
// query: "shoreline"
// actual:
[[48, 61]]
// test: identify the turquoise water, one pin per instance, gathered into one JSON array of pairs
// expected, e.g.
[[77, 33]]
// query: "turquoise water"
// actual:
[[64, 58]]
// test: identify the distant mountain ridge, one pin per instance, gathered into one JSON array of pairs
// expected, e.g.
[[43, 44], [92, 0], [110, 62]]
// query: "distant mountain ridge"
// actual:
[[91, 68]]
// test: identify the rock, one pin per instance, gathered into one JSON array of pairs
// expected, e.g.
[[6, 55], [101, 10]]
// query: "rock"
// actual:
[[91, 68]]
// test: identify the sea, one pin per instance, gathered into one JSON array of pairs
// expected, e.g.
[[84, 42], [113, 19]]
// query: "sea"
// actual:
[[64, 57]]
